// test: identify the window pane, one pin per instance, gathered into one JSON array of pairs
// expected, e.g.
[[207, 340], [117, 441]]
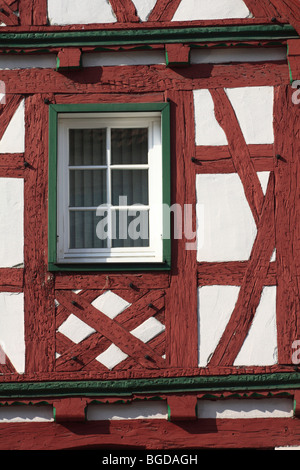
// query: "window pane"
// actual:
[[132, 184], [129, 146], [87, 188], [130, 230], [83, 226], [87, 147]]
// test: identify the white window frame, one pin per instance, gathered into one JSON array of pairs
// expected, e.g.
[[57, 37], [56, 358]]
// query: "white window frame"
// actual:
[[150, 120]]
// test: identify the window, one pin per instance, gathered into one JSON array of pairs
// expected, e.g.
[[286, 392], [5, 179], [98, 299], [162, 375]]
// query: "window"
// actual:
[[108, 184]]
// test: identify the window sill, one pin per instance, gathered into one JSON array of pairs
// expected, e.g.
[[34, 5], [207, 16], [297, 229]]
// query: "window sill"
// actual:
[[105, 267]]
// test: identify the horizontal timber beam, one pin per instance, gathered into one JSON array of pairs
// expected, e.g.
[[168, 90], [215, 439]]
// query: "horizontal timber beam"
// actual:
[[274, 381], [146, 36]]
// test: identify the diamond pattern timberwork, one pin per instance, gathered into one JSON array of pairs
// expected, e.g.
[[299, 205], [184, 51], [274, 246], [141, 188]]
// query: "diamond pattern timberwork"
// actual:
[[111, 330]]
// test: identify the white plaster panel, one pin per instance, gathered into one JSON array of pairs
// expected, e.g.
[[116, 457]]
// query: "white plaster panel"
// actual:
[[225, 226], [103, 59], [207, 129], [148, 330], [75, 329], [144, 8], [11, 222], [26, 414], [253, 107], [12, 328], [227, 229], [112, 356], [62, 12], [138, 410], [260, 346], [110, 304], [273, 257], [263, 177], [190, 10], [13, 139], [16, 61], [237, 54], [245, 408], [215, 306], [288, 448]]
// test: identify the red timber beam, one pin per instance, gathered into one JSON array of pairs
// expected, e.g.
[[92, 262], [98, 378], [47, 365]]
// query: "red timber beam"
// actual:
[[177, 55], [263, 212], [181, 297], [230, 273], [297, 403], [113, 281], [38, 283], [294, 59], [33, 12], [13, 4], [284, 216], [112, 330], [239, 151], [69, 58], [290, 9], [153, 434], [211, 159], [280, 10], [143, 79], [262, 9], [287, 220], [164, 10], [143, 304], [10, 164], [125, 11], [182, 407], [11, 279], [254, 280], [8, 110], [70, 410], [7, 15]]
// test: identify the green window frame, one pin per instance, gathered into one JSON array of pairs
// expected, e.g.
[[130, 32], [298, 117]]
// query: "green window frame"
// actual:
[[56, 110]]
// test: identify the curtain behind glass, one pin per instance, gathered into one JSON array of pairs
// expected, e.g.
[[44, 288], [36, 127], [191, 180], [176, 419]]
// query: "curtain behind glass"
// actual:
[[87, 147], [88, 186], [133, 184], [129, 146], [83, 226]]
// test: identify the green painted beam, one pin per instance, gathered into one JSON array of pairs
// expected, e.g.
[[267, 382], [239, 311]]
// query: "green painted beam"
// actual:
[[106, 388], [138, 36]]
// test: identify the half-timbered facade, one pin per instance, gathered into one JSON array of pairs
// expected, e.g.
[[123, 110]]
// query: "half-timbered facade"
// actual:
[[168, 319]]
